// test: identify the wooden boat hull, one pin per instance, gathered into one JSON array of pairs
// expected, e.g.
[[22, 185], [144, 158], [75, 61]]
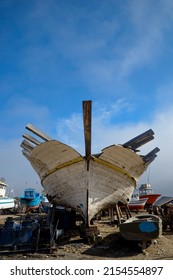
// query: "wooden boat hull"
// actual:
[[69, 181], [141, 228], [87, 183]]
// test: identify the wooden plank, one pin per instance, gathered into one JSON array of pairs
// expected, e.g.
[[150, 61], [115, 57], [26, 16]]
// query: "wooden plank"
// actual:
[[31, 139], [87, 126], [142, 142], [26, 154], [38, 132], [123, 159], [142, 137], [118, 214], [29, 145], [151, 156], [154, 151]]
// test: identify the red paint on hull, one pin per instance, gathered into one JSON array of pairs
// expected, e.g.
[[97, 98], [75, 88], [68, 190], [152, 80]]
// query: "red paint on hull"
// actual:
[[137, 204], [151, 198], [136, 207]]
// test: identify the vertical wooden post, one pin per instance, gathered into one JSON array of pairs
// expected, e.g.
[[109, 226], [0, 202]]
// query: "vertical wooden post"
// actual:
[[87, 105], [118, 214]]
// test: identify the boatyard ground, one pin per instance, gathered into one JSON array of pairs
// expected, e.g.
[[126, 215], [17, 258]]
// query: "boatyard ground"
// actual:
[[111, 246]]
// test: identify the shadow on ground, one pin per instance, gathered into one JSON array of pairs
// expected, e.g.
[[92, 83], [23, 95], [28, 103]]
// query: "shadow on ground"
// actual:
[[114, 246]]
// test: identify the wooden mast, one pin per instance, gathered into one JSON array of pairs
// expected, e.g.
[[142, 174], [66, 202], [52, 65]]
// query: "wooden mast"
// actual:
[[87, 105]]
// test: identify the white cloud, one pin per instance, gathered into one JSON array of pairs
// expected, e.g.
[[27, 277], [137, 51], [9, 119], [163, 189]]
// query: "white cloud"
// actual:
[[149, 23], [88, 46]]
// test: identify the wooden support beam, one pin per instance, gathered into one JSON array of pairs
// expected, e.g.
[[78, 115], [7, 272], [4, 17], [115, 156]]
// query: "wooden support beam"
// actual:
[[31, 139], [142, 142], [38, 132], [118, 214], [128, 212], [27, 146], [140, 139], [151, 155], [26, 149], [26, 154]]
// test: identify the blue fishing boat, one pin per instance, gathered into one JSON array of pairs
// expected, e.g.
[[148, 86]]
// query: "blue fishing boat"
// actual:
[[30, 199]]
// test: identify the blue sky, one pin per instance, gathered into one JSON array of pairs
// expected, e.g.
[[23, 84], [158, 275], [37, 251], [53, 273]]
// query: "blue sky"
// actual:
[[54, 54]]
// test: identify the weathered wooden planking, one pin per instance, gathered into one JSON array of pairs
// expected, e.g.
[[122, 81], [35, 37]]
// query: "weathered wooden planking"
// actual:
[[64, 176], [52, 155], [107, 187], [125, 159], [88, 183]]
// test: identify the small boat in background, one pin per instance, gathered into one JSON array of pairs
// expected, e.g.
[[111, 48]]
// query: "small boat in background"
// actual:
[[141, 228], [136, 204], [30, 199], [146, 191], [5, 201]]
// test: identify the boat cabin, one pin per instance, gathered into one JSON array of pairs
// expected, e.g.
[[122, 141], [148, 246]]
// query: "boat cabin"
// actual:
[[3, 187], [145, 189]]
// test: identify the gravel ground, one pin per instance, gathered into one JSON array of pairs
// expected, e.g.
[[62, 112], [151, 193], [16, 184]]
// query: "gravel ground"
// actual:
[[110, 246]]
